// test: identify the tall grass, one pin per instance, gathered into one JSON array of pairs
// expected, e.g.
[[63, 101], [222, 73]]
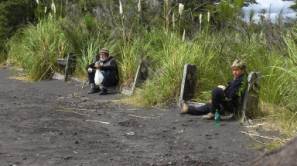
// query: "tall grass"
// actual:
[[87, 57], [213, 55], [36, 48], [3, 57], [169, 61], [86, 38]]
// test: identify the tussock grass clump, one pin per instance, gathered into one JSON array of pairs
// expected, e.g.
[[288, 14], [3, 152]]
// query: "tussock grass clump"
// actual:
[[168, 55], [86, 37], [36, 48]]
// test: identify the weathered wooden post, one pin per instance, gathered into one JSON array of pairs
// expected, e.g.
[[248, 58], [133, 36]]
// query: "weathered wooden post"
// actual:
[[140, 76], [251, 97], [188, 85], [68, 64]]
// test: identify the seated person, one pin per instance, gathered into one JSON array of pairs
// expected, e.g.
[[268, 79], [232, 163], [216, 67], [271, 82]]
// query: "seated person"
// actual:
[[222, 98], [108, 67]]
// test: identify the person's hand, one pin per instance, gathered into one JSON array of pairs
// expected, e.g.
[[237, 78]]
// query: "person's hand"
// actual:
[[222, 87], [97, 65], [90, 70]]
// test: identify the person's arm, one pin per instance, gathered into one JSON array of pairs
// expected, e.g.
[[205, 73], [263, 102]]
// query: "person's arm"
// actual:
[[233, 92], [91, 68], [237, 88], [222, 87], [243, 87], [92, 65], [112, 65]]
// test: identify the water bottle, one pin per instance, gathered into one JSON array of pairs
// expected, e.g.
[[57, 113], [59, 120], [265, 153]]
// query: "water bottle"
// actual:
[[217, 118]]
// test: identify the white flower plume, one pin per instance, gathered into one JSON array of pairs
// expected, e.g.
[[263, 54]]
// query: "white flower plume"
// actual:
[[181, 8]]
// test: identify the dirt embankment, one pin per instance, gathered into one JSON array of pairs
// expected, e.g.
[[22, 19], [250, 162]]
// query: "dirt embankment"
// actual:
[[285, 156], [56, 123]]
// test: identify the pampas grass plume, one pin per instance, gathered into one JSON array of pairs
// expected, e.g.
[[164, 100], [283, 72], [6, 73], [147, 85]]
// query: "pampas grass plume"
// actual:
[[181, 8], [121, 7]]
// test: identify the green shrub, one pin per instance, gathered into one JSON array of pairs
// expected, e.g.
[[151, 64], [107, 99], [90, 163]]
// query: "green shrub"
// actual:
[[36, 48]]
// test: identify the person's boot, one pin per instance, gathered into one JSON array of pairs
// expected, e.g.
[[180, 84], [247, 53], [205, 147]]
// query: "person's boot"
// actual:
[[92, 88], [103, 91]]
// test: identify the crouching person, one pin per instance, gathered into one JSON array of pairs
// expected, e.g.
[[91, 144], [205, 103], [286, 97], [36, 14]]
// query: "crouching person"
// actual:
[[223, 99], [103, 73]]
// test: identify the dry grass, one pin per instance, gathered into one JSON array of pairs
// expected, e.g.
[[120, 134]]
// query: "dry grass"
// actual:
[[21, 78], [19, 74], [2, 65], [274, 129], [134, 101]]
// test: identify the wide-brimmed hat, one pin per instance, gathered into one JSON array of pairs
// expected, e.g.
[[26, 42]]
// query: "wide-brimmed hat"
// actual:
[[104, 50], [238, 64]]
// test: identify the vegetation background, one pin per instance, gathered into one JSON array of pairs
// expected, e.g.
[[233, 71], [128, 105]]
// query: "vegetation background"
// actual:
[[169, 33]]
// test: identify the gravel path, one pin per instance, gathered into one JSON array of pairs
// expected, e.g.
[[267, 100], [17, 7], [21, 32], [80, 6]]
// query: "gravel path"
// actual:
[[57, 123]]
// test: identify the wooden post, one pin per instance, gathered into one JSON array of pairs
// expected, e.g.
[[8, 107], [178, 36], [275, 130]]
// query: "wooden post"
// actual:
[[140, 76], [251, 97], [188, 85], [70, 65]]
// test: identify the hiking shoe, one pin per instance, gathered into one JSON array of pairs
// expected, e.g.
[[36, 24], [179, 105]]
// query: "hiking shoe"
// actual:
[[103, 91], [184, 108], [209, 116], [93, 89]]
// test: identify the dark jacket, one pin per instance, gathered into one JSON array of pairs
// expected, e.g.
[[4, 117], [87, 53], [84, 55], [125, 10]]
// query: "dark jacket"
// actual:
[[109, 70], [236, 89]]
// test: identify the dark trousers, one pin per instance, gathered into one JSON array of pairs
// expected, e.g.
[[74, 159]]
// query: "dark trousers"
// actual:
[[218, 102], [203, 109], [91, 77], [108, 81]]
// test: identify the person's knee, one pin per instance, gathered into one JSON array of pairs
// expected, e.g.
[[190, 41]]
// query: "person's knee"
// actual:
[[109, 81], [217, 92], [91, 73]]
